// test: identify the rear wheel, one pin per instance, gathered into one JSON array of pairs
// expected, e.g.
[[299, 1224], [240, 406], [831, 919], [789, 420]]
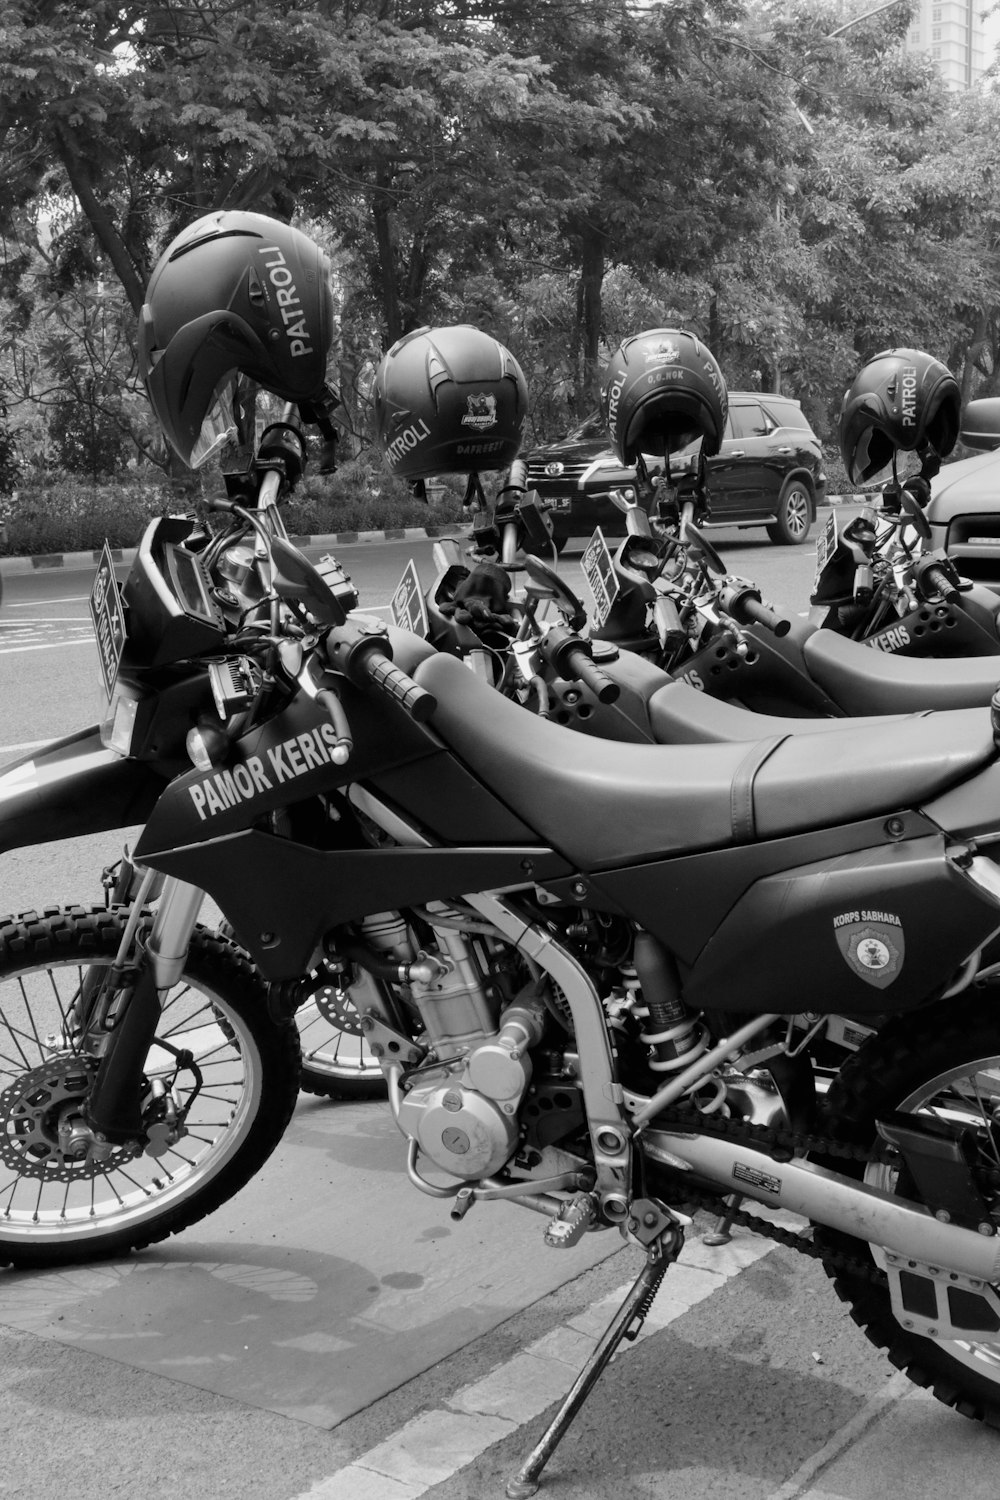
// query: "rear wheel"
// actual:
[[944, 1065], [337, 1062], [218, 1063], [793, 517]]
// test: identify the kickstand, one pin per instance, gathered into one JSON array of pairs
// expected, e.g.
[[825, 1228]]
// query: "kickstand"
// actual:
[[659, 1254]]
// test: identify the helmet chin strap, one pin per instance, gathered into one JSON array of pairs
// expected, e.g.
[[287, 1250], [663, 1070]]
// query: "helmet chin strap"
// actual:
[[474, 498]]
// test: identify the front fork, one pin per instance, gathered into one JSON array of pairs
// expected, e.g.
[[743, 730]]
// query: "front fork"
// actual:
[[125, 1010]]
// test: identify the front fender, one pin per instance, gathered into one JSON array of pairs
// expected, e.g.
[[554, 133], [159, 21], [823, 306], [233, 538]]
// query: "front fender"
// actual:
[[71, 787]]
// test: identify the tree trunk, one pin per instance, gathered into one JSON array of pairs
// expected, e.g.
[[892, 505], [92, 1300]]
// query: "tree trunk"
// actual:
[[388, 282], [592, 251], [715, 326], [101, 221], [972, 354]]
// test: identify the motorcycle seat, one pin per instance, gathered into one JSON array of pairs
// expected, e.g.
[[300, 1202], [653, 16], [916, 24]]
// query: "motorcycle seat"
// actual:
[[604, 803], [681, 715], [865, 681]]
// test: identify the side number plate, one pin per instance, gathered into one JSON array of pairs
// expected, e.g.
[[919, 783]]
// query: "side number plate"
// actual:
[[108, 618], [409, 608], [599, 571]]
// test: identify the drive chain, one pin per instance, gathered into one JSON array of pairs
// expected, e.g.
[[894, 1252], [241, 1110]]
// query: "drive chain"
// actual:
[[781, 1145]]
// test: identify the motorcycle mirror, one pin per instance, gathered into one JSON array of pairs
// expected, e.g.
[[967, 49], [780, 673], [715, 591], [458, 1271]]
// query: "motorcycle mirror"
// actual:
[[624, 500], [294, 578], [546, 579], [693, 537], [915, 515], [446, 552]]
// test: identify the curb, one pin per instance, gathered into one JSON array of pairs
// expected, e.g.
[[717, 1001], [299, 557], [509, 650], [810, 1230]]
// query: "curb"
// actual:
[[124, 555], [50, 560]]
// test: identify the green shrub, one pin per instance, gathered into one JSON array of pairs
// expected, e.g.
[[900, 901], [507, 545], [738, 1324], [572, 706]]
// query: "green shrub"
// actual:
[[360, 498], [63, 513]]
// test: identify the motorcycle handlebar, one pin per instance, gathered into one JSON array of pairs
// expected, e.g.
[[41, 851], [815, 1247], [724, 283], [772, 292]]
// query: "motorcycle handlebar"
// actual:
[[365, 659], [759, 614], [400, 687], [517, 478], [567, 655], [747, 608], [580, 667], [938, 579]]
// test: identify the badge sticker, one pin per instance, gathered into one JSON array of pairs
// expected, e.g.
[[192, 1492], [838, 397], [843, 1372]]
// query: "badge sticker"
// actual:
[[666, 352], [872, 945], [482, 412]]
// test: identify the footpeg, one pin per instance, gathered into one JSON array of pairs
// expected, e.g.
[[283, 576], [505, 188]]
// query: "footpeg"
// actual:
[[571, 1222]]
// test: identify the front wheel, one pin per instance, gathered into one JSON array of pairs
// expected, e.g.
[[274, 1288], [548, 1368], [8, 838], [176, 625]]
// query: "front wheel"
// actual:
[[220, 1083], [793, 517], [944, 1064]]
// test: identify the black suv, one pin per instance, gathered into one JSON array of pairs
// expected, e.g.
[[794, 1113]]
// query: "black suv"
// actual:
[[769, 472]]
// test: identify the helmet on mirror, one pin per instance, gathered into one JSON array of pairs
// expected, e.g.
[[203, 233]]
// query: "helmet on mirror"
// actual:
[[449, 400], [901, 400], [233, 294], [662, 390]]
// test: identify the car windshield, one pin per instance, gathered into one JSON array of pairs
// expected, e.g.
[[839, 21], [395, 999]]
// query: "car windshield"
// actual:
[[592, 427]]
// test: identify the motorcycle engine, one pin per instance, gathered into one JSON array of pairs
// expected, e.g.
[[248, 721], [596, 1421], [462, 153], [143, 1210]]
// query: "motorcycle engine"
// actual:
[[462, 1110]]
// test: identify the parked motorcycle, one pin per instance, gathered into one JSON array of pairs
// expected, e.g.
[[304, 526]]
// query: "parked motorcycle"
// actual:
[[878, 581], [579, 965], [604, 1011]]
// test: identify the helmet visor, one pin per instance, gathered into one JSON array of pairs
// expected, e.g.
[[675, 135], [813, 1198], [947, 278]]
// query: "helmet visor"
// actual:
[[220, 434]]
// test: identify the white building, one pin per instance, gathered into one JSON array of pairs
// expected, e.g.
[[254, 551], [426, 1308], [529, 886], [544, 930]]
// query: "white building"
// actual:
[[952, 31]]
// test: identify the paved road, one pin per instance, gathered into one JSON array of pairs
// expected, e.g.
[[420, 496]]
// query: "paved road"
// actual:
[[332, 1334]]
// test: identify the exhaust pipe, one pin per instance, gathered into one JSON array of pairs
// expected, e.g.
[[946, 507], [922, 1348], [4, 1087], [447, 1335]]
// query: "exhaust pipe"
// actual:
[[803, 1188]]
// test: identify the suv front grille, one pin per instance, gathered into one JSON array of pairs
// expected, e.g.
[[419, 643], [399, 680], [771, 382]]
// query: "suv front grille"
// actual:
[[572, 471]]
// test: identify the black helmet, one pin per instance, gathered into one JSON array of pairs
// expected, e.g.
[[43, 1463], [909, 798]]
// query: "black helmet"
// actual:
[[449, 400], [662, 390], [901, 399], [234, 292]]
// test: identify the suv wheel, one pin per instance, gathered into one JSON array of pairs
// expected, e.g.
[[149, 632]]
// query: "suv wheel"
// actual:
[[794, 515]]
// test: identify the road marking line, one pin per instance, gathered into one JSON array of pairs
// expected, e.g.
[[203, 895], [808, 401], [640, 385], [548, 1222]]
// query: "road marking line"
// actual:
[[434, 1445], [33, 603], [799, 1486], [47, 646], [28, 745]]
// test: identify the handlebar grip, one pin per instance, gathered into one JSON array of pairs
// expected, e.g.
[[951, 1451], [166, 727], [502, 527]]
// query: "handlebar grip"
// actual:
[[517, 477], [400, 687], [757, 613], [580, 666], [328, 700], [938, 579]]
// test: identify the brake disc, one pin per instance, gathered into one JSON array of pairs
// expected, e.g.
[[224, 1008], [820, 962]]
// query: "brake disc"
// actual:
[[41, 1123], [336, 1007]]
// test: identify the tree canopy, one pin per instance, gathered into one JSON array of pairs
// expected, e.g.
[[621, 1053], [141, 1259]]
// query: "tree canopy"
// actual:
[[561, 172]]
